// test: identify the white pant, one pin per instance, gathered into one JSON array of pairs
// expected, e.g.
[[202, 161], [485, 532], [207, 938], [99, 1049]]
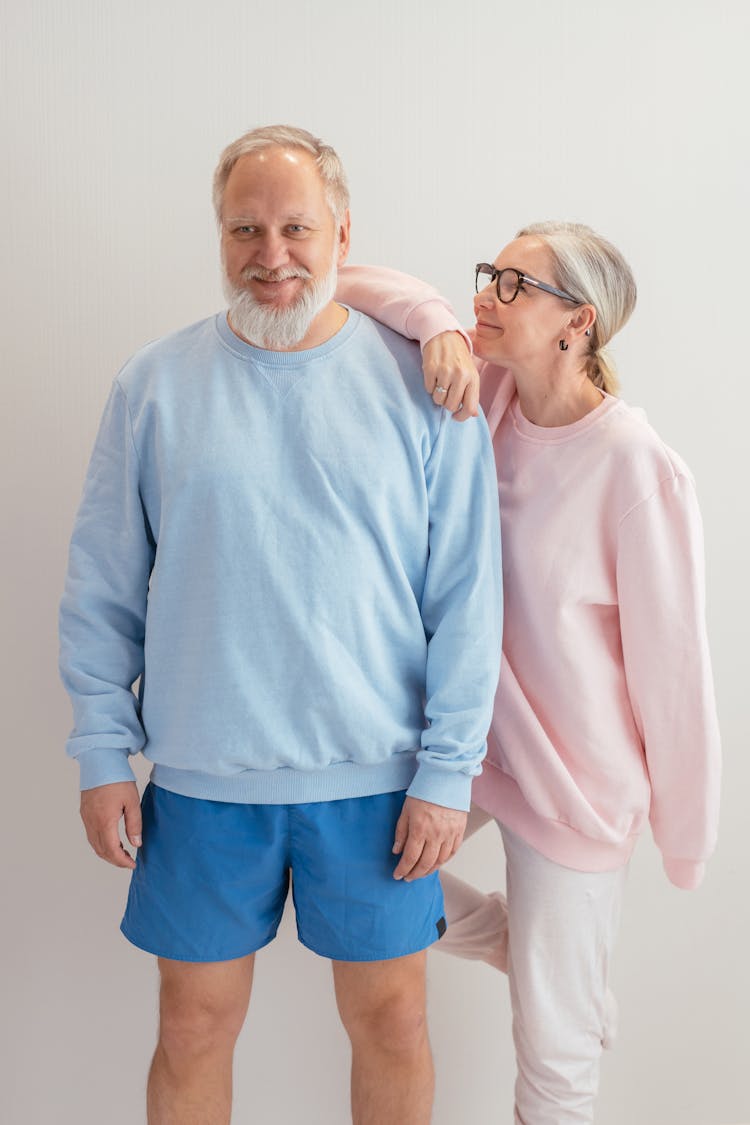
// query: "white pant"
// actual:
[[554, 938]]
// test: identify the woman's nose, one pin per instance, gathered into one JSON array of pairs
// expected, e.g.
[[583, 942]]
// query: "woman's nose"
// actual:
[[485, 298]]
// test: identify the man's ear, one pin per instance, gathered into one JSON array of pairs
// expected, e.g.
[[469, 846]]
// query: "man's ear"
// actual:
[[344, 237]]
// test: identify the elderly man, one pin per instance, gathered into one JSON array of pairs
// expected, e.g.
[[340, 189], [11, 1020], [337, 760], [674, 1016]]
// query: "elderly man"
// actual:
[[295, 554]]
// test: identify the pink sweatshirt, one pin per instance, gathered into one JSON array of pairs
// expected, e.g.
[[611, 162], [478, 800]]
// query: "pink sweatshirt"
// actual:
[[605, 714]]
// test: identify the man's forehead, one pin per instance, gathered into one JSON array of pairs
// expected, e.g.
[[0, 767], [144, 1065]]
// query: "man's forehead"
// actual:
[[275, 169], [275, 157], [277, 152]]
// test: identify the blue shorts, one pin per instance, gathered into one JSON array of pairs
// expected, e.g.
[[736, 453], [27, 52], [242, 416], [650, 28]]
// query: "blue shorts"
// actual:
[[212, 877]]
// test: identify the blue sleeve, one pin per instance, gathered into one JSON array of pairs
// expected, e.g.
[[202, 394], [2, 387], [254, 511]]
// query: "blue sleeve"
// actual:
[[103, 609], [461, 611]]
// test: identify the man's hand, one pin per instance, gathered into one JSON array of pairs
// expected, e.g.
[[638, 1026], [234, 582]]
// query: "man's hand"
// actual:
[[101, 809], [450, 375], [426, 837]]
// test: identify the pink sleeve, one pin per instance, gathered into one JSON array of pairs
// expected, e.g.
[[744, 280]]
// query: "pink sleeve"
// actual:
[[660, 582], [401, 302]]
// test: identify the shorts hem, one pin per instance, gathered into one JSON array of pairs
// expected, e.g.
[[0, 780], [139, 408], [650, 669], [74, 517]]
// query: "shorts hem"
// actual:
[[417, 948], [151, 948]]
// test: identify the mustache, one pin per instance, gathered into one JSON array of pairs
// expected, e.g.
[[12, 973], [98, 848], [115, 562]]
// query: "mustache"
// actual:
[[259, 273]]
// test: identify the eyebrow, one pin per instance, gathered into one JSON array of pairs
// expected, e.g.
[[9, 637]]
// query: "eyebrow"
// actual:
[[294, 217]]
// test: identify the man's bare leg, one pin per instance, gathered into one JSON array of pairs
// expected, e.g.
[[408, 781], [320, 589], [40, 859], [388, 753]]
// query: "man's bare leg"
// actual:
[[382, 1006], [201, 1011]]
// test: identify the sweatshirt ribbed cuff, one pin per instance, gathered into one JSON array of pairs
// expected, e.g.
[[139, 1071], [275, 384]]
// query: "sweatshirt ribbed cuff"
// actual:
[[104, 767], [684, 873], [430, 319], [448, 788]]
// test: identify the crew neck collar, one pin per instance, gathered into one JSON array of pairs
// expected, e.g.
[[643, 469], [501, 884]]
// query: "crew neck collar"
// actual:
[[271, 358], [553, 434]]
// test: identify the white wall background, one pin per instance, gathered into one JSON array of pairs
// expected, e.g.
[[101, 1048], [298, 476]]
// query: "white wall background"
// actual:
[[459, 120]]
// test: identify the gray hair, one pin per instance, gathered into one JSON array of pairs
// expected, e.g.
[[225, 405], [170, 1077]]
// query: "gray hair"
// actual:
[[286, 136], [594, 272]]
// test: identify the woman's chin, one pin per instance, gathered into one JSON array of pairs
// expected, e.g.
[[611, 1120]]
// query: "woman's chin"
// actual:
[[483, 349]]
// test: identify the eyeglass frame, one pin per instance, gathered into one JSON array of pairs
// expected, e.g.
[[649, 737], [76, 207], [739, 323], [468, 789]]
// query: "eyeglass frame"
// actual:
[[522, 278]]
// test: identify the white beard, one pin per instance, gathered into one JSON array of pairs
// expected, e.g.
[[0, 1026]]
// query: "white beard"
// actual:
[[278, 328]]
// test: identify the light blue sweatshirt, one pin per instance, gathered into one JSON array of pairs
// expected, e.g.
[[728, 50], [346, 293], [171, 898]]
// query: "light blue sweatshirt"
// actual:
[[298, 554]]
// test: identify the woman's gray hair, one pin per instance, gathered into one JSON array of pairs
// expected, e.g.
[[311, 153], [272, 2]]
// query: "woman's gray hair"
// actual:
[[286, 136], [594, 272]]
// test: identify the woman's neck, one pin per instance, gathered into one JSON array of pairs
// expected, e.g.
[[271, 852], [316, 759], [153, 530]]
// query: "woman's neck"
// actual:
[[556, 399]]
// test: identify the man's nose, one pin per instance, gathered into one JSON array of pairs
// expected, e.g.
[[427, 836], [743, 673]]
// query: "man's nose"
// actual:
[[272, 252]]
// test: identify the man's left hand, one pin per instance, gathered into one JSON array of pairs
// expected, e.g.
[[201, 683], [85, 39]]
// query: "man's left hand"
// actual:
[[427, 836]]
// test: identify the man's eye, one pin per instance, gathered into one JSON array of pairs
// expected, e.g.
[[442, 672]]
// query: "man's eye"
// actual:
[[244, 230], [296, 228]]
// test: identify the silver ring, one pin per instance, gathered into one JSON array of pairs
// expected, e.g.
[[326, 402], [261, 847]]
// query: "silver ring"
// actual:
[[440, 391], [459, 408]]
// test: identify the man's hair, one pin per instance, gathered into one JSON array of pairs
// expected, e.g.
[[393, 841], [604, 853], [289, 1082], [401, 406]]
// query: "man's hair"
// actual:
[[286, 136]]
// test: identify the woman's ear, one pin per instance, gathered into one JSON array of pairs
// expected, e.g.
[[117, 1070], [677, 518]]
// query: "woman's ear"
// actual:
[[582, 321]]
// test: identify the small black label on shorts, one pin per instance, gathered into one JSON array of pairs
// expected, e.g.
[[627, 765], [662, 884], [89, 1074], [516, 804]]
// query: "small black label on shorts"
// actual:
[[441, 927]]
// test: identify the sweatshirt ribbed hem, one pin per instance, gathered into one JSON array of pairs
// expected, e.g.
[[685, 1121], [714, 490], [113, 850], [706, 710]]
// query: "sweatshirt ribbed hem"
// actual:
[[498, 794], [291, 787]]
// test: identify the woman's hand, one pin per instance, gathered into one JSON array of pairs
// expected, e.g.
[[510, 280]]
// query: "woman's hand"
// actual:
[[450, 375]]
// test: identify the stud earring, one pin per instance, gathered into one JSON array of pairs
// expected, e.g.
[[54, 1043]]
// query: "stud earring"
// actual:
[[563, 345], [588, 331]]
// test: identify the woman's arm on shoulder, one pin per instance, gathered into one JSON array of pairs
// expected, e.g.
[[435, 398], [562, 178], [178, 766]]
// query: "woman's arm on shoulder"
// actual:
[[402, 302], [418, 311]]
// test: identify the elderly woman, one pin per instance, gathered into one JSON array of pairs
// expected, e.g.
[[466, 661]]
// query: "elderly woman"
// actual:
[[604, 715]]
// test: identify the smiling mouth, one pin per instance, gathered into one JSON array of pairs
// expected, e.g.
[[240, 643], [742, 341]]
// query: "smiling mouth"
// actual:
[[274, 280], [276, 289]]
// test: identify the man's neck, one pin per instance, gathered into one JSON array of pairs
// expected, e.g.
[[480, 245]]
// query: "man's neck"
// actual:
[[326, 324]]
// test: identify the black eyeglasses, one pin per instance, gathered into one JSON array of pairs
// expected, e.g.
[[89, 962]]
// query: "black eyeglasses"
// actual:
[[509, 281]]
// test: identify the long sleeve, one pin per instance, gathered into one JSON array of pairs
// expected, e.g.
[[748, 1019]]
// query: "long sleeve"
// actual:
[[462, 613], [402, 302], [103, 610], [661, 596]]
